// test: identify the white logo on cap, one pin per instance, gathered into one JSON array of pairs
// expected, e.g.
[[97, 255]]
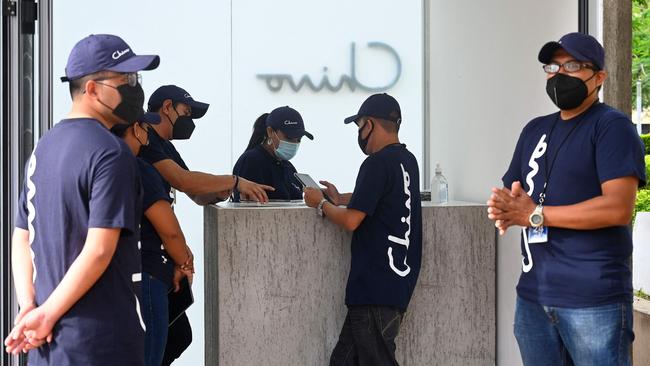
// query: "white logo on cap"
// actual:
[[288, 122], [117, 54], [187, 96]]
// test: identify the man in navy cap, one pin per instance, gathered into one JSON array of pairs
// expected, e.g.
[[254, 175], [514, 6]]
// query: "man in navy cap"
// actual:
[[384, 211], [571, 185], [177, 109], [75, 257]]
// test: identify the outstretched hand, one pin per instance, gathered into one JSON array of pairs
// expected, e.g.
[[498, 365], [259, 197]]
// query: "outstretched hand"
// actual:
[[254, 191]]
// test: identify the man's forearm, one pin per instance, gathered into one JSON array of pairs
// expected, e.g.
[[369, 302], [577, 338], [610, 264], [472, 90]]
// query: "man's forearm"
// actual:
[[596, 213], [84, 272], [193, 183], [349, 219], [22, 267], [200, 184], [205, 199]]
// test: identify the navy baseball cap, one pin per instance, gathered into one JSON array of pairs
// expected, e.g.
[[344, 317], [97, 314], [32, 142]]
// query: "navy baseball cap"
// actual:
[[289, 121], [105, 52], [151, 118], [177, 95], [379, 106], [582, 47]]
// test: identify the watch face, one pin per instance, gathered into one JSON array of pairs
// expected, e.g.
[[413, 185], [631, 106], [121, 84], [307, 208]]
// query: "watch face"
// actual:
[[536, 219]]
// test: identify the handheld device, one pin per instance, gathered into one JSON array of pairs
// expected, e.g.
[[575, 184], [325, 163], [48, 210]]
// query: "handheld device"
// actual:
[[306, 180], [180, 301]]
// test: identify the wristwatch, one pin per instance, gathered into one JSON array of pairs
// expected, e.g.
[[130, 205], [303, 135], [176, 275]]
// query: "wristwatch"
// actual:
[[536, 219], [320, 207]]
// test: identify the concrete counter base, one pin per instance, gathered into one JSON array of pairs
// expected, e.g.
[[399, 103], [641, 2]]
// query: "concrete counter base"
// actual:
[[275, 285]]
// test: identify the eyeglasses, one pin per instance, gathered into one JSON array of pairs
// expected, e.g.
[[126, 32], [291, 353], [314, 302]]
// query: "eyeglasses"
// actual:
[[132, 78], [569, 66]]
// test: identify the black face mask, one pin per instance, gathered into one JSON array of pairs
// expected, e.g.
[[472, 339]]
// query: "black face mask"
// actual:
[[567, 92], [182, 128], [130, 107], [363, 143]]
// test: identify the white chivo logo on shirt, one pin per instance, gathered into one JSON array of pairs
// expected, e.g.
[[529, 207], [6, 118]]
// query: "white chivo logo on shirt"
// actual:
[[405, 241], [539, 151], [31, 210], [117, 54]]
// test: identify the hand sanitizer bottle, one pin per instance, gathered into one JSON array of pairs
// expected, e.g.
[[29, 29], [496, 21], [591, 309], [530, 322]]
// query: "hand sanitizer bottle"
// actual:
[[439, 187]]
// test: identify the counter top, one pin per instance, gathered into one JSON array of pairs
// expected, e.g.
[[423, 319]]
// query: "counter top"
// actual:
[[301, 204]]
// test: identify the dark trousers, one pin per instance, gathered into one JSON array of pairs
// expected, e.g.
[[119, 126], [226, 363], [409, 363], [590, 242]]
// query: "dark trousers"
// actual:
[[368, 337], [179, 337]]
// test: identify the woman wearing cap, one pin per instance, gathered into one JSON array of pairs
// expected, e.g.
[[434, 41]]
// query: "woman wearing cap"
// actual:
[[275, 140], [166, 258]]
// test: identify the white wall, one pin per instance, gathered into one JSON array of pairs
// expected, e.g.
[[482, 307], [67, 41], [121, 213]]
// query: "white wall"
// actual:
[[486, 83], [301, 38]]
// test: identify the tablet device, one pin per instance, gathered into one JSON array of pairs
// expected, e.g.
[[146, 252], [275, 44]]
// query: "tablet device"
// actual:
[[306, 180], [180, 301]]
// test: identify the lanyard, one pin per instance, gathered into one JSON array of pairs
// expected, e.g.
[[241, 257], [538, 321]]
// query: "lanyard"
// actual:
[[549, 168]]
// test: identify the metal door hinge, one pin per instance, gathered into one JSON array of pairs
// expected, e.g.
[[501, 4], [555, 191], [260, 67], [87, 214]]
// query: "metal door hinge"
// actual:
[[9, 8]]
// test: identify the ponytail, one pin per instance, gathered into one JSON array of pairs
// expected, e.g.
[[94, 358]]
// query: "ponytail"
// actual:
[[259, 132]]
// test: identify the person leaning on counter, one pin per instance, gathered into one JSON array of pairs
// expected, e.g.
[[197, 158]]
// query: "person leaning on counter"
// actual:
[[275, 140]]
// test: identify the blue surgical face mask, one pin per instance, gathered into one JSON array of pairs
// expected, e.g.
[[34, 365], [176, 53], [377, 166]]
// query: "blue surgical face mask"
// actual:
[[286, 150]]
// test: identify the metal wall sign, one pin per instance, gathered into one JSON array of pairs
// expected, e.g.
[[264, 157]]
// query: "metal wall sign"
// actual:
[[275, 82]]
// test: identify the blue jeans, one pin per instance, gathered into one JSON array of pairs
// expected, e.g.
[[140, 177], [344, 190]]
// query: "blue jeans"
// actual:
[[594, 336], [368, 337], [155, 314]]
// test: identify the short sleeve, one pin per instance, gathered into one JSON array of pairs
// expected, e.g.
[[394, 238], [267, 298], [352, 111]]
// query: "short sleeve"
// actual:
[[619, 151], [154, 152], [22, 213], [152, 186], [114, 191], [172, 153], [370, 185], [513, 174]]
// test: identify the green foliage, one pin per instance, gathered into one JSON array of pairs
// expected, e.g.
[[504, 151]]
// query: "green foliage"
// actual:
[[641, 294], [643, 195], [643, 201], [646, 142], [641, 49]]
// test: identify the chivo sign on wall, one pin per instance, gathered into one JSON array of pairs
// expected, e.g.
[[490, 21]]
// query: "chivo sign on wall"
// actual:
[[324, 62], [275, 82]]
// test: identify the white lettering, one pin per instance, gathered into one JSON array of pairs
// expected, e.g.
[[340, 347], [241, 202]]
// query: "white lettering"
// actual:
[[117, 54], [538, 152], [31, 209], [402, 241]]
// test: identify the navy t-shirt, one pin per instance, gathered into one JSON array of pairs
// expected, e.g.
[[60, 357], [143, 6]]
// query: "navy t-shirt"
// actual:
[[387, 246], [577, 268], [260, 167], [81, 176], [160, 149], [155, 260]]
